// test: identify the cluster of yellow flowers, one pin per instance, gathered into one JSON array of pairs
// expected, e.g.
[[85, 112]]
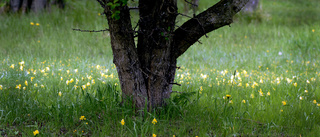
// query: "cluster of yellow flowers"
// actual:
[[36, 132], [82, 118], [41, 72], [32, 24]]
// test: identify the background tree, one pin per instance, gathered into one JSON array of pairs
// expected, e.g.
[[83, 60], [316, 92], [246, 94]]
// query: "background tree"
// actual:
[[251, 6], [147, 69], [33, 5]]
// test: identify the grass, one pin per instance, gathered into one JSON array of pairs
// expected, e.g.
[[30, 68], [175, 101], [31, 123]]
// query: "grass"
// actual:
[[268, 63]]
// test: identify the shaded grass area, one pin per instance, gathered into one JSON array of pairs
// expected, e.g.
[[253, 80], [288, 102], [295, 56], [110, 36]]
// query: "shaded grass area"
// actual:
[[63, 83]]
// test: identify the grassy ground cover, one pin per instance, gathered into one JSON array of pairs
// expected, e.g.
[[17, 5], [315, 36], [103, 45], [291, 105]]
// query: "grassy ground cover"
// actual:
[[259, 77]]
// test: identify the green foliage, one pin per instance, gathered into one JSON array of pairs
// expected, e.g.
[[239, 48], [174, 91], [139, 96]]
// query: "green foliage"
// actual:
[[4, 3], [114, 7]]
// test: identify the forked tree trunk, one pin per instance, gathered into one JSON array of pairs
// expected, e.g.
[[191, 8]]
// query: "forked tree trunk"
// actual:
[[146, 71]]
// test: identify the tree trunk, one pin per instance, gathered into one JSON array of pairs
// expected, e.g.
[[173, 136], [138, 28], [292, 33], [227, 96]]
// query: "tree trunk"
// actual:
[[15, 5], [146, 71], [155, 48], [38, 5], [34, 5], [251, 6]]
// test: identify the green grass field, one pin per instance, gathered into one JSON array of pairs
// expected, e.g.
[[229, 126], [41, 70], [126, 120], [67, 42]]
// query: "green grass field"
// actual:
[[259, 77]]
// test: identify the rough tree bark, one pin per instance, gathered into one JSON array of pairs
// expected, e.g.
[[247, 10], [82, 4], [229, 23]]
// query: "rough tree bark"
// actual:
[[146, 71]]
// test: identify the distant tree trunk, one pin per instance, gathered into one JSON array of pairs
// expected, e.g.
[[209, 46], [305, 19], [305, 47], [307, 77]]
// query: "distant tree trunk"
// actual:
[[146, 71], [25, 5], [33, 5], [251, 6], [15, 5], [38, 5]]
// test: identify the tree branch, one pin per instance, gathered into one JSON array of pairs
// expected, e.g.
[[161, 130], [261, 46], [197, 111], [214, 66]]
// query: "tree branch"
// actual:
[[91, 30], [102, 4], [217, 16]]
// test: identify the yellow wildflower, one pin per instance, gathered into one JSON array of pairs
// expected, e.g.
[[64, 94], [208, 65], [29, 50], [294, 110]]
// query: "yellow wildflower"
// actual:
[[31, 23], [35, 132], [312, 30], [268, 94], [154, 121], [301, 98], [12, 66], [18, 86], [37, 24], [315, 101], [243, 101], [82, 118], [21, 63], [122, 122], [252, 96], [201, 89], [1, 87], [295, 84], [60, 93], [231, 102], [89, 77], [203, 76], [260, 92], [289, 80], [281, 110], [32, 78], [154, 135], [93, 82], [26, 83], [84, 86], [284, 103], [261, 81], [21, 68]]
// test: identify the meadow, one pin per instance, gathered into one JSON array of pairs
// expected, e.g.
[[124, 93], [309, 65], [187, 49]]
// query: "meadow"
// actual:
[[259, 77]]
